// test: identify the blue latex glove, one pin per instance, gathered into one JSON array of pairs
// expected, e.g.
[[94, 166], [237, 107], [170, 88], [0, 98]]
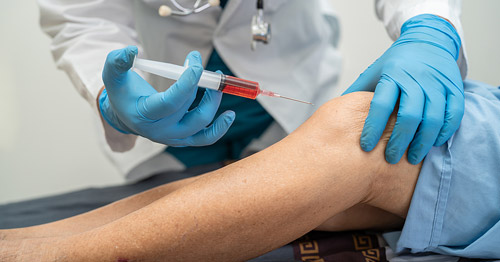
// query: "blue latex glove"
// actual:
[[130, 105], [420, 69]]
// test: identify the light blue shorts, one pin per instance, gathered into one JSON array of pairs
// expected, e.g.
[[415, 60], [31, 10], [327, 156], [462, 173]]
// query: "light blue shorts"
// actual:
[[455, 209]]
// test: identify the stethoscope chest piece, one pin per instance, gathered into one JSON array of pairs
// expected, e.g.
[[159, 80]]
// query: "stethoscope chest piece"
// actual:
[[261, 30]]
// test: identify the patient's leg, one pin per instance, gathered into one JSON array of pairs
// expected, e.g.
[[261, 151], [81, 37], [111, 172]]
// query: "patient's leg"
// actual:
[[362, 216], [94, 218], [256, 204]]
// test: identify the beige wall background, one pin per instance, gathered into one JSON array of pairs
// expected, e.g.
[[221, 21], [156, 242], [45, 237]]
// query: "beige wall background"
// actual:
[[48, 143]]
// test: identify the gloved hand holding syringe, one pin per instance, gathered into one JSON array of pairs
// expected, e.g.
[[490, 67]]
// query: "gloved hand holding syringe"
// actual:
[[211, 80]]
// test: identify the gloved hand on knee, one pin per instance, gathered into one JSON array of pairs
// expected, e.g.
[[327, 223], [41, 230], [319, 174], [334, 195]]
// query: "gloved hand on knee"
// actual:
[[420, 70]]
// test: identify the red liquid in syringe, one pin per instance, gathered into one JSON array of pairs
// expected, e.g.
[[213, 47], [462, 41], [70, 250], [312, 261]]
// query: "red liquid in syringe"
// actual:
[[240, 87], [248, 89]]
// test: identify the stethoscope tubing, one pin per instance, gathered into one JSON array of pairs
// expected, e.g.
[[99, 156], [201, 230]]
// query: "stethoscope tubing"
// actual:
[[182, 11]]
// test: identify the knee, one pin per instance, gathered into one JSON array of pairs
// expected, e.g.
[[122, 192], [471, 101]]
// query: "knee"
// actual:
[[347, 112], [336, 127], [340, 121], [335, 130]]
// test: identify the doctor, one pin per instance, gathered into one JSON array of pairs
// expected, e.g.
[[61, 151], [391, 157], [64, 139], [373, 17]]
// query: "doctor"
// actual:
[[148, 130]]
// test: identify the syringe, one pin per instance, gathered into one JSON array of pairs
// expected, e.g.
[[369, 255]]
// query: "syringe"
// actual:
[[211, 80]]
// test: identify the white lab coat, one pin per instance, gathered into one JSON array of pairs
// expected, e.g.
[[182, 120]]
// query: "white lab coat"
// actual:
[[301, 61]]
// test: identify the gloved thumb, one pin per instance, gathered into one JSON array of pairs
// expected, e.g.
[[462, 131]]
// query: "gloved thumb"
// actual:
[[367, 81], [117, 63]]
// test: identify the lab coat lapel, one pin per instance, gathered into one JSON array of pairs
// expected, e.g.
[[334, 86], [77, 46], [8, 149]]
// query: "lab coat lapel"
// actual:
[[229, 10]]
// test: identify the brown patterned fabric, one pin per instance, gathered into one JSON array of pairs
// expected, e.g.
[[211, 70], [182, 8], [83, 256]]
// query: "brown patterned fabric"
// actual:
[[317, 246]]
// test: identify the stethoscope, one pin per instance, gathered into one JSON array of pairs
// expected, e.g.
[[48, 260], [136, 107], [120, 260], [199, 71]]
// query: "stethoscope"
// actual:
[[261, 30]]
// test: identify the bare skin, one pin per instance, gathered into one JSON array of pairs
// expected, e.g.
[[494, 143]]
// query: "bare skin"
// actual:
[[317, 177], [94, 218]]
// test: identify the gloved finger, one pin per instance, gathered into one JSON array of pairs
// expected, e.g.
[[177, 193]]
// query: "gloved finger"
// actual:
[[367, 80], [212, 133], [196, 129], [203, 114], [455, 104], [110, 116], [411, 106], [428, 130], [166, 103], [179, 114], [381, 107], [171, 120], [118, 62]]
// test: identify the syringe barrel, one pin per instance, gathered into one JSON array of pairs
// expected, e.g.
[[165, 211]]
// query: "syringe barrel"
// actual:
[[239, 87], [210, 80]]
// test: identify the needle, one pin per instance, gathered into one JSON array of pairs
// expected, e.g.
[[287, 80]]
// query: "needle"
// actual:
[[293, 99]]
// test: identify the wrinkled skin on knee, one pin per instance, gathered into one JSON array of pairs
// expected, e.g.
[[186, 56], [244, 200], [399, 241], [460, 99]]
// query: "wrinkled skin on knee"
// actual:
[[336, 127]]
